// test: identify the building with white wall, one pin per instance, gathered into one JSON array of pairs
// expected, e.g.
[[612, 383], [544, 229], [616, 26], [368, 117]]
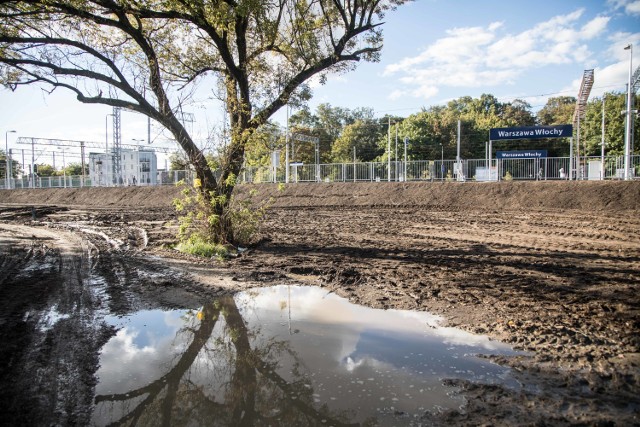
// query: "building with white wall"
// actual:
[[137, 167]]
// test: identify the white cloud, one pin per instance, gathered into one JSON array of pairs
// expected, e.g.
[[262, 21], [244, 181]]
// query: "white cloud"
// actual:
[[633, 8], [630, 7], [488, 56]]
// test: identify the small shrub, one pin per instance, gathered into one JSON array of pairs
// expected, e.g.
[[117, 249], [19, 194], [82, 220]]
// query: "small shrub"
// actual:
[[197, 220], [507, 176], [197, 245]]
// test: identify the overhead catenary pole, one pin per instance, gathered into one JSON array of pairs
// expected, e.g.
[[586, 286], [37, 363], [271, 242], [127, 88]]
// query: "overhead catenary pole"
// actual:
[[578, 161], [404, 169], [389, 150], [286, 149], [602, 170], [571, 159], [458, 165], [83, 170], [489, 157], [33, 162], [627, 133], [396, 156], [7, 171], [354, 164], [106, 133]]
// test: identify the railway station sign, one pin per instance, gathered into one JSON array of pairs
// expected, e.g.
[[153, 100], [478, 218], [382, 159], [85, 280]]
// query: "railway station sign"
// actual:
[[522, 154], [531, 132]]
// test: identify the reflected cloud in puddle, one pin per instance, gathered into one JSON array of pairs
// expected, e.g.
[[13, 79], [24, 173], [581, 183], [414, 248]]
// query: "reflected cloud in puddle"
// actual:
[[286, 355]]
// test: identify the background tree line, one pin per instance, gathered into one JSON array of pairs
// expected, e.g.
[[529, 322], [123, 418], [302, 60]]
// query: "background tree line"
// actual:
[[432, 132]]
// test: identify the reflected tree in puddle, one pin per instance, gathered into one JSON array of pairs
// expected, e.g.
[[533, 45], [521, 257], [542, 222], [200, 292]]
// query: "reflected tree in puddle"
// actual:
[[247, 388]]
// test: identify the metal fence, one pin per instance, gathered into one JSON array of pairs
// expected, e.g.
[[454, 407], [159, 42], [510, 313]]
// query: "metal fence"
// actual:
[[480, 170], [550, 168]]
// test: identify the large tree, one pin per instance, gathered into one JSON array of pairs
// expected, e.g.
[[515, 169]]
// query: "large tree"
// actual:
[[149, 55]]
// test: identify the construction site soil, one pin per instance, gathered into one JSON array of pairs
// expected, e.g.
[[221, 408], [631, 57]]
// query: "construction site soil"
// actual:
[[551, 267]]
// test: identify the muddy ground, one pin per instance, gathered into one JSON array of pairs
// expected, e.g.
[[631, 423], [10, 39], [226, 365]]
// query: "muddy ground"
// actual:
[[551, 267]]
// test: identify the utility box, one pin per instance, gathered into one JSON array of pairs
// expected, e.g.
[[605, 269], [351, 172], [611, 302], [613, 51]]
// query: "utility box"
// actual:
[[594, 172]]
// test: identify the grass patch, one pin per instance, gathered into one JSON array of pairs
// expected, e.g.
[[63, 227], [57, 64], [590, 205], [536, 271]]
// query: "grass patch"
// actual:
[[200, 247]]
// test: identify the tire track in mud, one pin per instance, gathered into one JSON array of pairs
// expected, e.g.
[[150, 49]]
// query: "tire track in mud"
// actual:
[[57, 283]]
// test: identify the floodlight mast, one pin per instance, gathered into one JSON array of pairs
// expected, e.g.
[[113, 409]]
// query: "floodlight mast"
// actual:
[[629, 121], [579, 112]]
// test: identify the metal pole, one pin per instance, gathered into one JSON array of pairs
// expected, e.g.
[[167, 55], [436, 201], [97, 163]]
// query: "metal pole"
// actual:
[[106, 133], [354, 164], [396, 157], [64, 169], [286, 149], [579, 165], [627, 134], [33, 161], [442, 161], [571, 159], [83, 171], [458, 165], [602, 142], [11, 185], [7, 171], [489, 157], [389, 151], [404, 171]]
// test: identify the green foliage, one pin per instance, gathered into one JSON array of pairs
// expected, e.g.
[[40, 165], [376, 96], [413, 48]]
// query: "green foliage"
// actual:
[[507, 176], [75, 169], [16, 168], [557, 111], [246, 216], [46, 170], [200, 219], [178, 162], [361, 135], [591, 126], [199, 246]]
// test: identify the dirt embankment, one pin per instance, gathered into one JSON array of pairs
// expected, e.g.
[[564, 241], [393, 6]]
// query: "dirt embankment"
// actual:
[[585, 195]]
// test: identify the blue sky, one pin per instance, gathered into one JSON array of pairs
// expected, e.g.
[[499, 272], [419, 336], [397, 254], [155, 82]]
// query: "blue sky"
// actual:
[[435, 51]]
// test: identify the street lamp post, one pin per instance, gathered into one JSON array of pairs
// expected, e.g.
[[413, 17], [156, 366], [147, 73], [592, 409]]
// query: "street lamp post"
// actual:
[[6, 157], [627, 133]]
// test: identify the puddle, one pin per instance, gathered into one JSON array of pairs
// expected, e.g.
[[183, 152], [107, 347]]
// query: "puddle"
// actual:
[[286, 355]]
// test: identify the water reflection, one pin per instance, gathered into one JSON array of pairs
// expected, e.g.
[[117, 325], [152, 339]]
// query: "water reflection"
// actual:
[[285, 356]]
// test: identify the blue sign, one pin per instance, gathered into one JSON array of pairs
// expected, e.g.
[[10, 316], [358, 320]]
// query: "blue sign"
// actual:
[[531, 132], [523, 154]]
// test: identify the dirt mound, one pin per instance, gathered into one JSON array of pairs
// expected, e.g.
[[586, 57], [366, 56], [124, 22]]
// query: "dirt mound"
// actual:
[[94, 197], [480, 196], [598, 196]]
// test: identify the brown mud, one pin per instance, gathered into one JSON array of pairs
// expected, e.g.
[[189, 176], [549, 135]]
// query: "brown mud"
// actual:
[[551, 267]]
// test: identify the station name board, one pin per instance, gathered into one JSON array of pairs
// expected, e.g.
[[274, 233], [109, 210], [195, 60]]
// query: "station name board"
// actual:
[[531, 132], [523, 154]]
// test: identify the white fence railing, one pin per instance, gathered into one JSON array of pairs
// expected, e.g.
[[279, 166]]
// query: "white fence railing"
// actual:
[[550, 168]]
